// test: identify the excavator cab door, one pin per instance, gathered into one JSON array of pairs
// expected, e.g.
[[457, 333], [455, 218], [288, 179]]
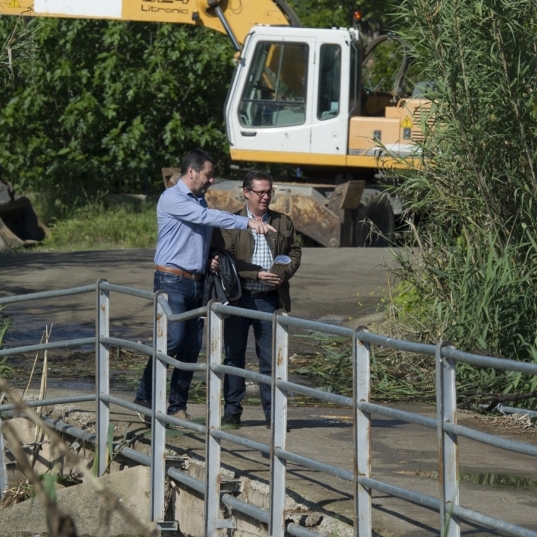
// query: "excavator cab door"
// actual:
[[269, 106], [329, 123]]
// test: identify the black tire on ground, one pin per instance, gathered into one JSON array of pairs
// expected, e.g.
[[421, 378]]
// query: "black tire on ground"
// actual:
[[373, 221]]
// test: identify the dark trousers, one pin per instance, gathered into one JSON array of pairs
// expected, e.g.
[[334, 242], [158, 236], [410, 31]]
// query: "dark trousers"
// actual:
[[184, 338], [235, 343]]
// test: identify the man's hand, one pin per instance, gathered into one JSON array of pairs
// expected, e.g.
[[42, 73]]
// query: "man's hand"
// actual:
[[270, 278], [215, 264], [260, 227]]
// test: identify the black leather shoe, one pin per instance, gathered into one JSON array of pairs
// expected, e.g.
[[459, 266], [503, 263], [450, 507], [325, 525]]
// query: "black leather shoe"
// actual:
[[231, 419]]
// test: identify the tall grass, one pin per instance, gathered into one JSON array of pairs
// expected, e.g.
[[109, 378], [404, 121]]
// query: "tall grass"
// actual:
[[17, 49], [470, 276], [97, 226]]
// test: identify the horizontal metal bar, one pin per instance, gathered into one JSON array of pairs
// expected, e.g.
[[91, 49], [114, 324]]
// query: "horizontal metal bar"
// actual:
[[490, 522], [181, 365], [70, 430], [185, 479], [491, 440], [317, 394], [192, 314], [126, 344], [246, 508], [65, 344], [300, 531], [174, 473], [238, 372], [47, 294], [239, 440], [511, 410], [191, 425], [243, 312], [47, 402], [136, 456], [314, 465], [130, 453], [405, 494], [105, 286], [316, 326], [408, 346], [389, 412], [489, 361], [125, 404]]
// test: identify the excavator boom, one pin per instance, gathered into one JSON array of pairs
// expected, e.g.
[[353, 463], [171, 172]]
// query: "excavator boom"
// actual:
[[232, 17]]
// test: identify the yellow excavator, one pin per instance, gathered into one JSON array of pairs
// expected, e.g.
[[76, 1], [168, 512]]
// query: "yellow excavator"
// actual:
[[298, 96]]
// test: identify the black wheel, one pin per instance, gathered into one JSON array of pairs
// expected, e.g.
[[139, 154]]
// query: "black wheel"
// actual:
[[373, 221]]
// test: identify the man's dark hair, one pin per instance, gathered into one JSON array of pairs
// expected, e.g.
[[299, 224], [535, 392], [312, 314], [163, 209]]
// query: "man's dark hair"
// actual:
[[250, 176], [195, 159]]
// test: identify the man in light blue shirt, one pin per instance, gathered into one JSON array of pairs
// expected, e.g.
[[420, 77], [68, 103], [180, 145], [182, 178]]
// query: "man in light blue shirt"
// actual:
[[185, 225]]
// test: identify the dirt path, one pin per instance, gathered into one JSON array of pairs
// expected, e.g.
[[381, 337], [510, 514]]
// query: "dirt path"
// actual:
[[332, 285]]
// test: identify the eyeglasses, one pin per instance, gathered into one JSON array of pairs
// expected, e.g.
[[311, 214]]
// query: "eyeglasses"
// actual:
[[261, 193]]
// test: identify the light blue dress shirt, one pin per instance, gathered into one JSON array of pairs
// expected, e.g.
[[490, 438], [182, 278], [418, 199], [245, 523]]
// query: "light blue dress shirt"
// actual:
[[185, 226]]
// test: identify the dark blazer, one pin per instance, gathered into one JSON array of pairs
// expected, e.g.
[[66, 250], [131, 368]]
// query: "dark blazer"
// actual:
[[240, 244]]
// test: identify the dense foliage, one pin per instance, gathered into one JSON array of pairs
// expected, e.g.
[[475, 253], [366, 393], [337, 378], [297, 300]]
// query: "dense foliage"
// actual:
[[472, 279], [104, 105], [377, 15], [107, 104]]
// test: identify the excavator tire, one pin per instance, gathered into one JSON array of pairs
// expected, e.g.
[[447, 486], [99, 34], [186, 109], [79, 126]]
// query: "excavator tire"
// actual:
[[373, 221]]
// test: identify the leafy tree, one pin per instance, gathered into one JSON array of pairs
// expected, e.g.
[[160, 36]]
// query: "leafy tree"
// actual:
[[111, 103], [377, 15], [473, 277]]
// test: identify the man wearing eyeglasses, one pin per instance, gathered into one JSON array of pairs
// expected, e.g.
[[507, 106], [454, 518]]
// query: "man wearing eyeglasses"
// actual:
[[185, 225], [261, 290]]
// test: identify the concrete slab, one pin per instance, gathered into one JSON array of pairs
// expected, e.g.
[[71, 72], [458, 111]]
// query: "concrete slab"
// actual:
[[88, 509]]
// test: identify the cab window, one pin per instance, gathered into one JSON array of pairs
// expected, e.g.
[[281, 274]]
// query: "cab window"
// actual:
[[276, 88], [329, 82]]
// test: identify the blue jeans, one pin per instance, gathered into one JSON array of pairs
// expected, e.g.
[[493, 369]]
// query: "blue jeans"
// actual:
[[184, 338], [235, 343]]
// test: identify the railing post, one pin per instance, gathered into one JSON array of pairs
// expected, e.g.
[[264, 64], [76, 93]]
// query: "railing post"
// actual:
[[362, 435], [3, 468], [215, 333], [280, 347], [448, 454], [158, 406], [102, 366]]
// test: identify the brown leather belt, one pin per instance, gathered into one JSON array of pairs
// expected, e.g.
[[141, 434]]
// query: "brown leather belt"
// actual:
[[172, 270]]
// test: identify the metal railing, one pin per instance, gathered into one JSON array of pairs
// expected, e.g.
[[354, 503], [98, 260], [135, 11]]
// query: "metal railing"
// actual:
[[451, 513]]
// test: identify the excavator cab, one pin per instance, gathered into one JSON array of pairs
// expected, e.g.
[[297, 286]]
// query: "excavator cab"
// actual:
[[289, 92], [300, 96]]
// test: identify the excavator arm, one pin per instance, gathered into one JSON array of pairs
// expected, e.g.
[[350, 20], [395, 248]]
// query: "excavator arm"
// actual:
[[232, 17]]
